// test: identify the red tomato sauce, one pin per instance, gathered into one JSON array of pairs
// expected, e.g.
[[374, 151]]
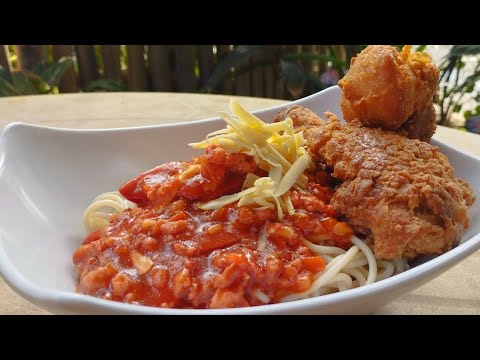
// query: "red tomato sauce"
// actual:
[[168, 253]]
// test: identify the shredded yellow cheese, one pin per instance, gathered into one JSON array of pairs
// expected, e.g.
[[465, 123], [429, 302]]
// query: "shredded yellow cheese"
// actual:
[[275, 147]]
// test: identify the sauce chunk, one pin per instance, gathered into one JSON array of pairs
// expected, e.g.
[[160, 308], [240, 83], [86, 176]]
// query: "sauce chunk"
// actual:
[[169, 253]]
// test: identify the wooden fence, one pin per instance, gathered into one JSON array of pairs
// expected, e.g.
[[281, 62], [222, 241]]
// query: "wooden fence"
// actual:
[[182, 68]]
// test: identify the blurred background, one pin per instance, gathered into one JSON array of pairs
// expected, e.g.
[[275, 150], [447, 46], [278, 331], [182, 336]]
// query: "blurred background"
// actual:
[[272, 71]]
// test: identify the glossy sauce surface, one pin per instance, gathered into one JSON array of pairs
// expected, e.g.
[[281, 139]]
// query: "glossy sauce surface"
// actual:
[[169, 253]]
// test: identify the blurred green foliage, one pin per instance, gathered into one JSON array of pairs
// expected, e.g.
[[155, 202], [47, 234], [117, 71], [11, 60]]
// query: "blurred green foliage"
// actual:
[[108, 85], [303, 71], [43, 79], [456, 82], [289, 64]]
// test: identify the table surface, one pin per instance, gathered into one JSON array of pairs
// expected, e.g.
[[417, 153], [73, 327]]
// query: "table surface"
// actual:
[[455, 292]]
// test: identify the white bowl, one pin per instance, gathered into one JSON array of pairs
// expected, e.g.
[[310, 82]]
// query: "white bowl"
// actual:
[[49, 176]]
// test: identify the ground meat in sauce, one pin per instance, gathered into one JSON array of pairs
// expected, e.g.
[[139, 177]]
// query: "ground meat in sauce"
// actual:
[[168, 253]]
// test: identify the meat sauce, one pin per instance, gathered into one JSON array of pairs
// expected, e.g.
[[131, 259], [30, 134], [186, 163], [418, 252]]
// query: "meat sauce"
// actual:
[[168, 253]]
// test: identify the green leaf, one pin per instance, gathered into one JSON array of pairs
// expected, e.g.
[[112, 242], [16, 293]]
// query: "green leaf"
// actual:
[[23, 84], [295, 77], [457, 108], [54, 72], [460, 50], [4, 74], [7, 89], [469, 82], [41, 86], [467, 114], [447, 67], [106, 85], [470, 88], [421, 48], [234, 59], [477, 109], [39, 68]]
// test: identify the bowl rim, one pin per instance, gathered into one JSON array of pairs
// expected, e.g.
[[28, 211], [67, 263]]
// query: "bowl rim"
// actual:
[[48, 298]]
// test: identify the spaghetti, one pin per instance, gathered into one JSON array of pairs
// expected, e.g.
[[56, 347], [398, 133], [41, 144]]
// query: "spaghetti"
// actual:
[[344, 269], [248, 223], [98, 214], [347, 269]]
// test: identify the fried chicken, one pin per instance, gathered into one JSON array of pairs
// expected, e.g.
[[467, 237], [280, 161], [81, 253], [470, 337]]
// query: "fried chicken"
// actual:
[[392, 90], [302, 118], [421, 125], [400, 194]]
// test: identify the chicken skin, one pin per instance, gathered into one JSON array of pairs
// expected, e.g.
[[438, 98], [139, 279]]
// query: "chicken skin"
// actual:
[[400, 194], [302, 118], [391, 90], [421, 125]]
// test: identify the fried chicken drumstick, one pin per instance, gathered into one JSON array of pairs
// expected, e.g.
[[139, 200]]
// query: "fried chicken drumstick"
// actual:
[[391, 90], [400, 193]]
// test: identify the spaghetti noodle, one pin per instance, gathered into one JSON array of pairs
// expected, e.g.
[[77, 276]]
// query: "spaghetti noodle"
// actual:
[[98, 214], [248, 223], [347, 269]]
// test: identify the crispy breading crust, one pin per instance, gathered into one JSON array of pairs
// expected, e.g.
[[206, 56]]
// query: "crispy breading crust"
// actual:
[[386, 88], [421, 125], [301, 117], [400, 193]]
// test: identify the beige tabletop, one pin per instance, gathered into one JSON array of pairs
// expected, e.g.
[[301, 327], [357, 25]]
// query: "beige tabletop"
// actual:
[[455, 292]]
